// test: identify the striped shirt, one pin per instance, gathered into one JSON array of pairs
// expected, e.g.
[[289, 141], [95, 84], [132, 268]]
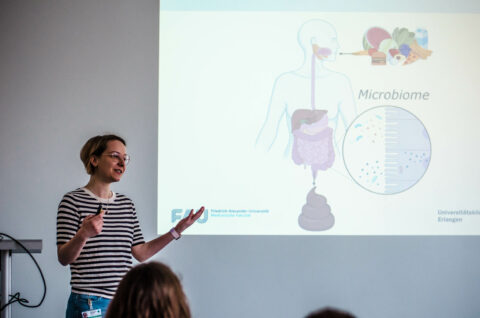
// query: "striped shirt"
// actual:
[[106, 257]]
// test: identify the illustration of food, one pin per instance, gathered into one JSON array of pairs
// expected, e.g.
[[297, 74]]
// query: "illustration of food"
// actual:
[[412, 57], [374, 36], [387, 150], [379, 58], [316, 215], [387, 45], [422, 37], [420, 51], [397, 59], [403, 37], [402, 47], [313, 142], [405, 49]]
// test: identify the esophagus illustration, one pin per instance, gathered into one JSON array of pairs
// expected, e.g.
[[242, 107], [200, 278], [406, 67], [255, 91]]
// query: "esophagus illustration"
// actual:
[[385, 150], [317, 105]]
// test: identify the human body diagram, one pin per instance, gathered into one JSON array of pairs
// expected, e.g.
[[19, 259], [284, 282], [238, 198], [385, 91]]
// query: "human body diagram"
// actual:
[[386, 151], [317, 105]]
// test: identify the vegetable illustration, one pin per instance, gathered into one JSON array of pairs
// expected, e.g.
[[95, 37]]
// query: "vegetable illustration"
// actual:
[[403, 36], [399, 48]]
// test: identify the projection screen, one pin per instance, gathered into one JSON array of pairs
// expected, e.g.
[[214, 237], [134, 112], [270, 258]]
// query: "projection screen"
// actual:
[[319, 123]]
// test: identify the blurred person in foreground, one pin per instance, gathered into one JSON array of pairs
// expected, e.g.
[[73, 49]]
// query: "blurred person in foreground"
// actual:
[[149, 290], [330, 313]]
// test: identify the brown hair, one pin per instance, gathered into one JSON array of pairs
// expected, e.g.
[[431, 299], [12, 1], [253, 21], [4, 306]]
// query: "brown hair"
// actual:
[[149, 290], [329, 312], [95, 146]]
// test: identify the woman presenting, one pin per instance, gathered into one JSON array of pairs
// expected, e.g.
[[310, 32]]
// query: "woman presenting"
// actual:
[[98, 230]]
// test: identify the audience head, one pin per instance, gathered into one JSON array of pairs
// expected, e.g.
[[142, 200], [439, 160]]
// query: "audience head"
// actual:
[[149, 290], [330, 313]]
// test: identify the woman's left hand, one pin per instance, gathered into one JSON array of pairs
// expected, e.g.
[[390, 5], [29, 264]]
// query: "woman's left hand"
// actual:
[[184, 223]]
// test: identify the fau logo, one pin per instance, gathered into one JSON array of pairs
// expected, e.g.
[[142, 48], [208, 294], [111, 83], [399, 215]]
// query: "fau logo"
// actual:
[[178, 214]]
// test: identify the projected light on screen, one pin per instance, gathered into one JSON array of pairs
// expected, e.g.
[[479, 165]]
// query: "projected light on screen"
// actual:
[[318, 123]]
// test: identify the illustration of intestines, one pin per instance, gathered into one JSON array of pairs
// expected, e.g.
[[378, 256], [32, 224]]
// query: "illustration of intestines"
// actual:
[[315, 133], [313, 146], [313, 141]]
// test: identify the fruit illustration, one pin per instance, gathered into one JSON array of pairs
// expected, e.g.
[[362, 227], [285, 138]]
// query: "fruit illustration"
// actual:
[[401, 47], [405, 49], [374, 36]]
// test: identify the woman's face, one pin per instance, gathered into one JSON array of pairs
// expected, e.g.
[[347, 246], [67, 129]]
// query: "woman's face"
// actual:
[[111, 165]]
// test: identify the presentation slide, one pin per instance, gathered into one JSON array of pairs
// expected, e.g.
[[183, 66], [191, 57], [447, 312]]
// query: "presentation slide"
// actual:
[[319, 123]]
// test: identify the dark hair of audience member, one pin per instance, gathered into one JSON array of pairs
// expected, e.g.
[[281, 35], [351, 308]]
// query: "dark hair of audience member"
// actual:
[[149, 290], [330, 313]]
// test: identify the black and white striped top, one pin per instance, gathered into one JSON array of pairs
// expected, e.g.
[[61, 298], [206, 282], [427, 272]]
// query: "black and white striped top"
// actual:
[[106, 257]]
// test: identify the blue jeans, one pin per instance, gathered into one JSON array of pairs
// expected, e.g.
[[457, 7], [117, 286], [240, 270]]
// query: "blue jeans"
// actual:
[[78, 303]]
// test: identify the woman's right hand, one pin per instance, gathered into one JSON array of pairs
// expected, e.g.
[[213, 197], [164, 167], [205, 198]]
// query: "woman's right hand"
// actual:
[[92, 225]]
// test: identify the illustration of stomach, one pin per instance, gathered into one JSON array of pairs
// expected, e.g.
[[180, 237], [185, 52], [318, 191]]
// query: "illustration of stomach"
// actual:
[[313, 142], [387, 150]]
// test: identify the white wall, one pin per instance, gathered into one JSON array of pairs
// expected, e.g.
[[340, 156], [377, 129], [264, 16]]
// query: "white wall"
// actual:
[[73, 69]]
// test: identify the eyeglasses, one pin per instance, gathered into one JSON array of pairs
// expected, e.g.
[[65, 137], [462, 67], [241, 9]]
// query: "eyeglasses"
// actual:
[[116, 156]]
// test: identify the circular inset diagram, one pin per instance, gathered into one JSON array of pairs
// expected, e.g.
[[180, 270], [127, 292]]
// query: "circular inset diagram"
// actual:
[[386, 150]]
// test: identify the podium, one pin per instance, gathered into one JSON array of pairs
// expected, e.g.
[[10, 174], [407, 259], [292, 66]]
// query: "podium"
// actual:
[[7, 247]]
